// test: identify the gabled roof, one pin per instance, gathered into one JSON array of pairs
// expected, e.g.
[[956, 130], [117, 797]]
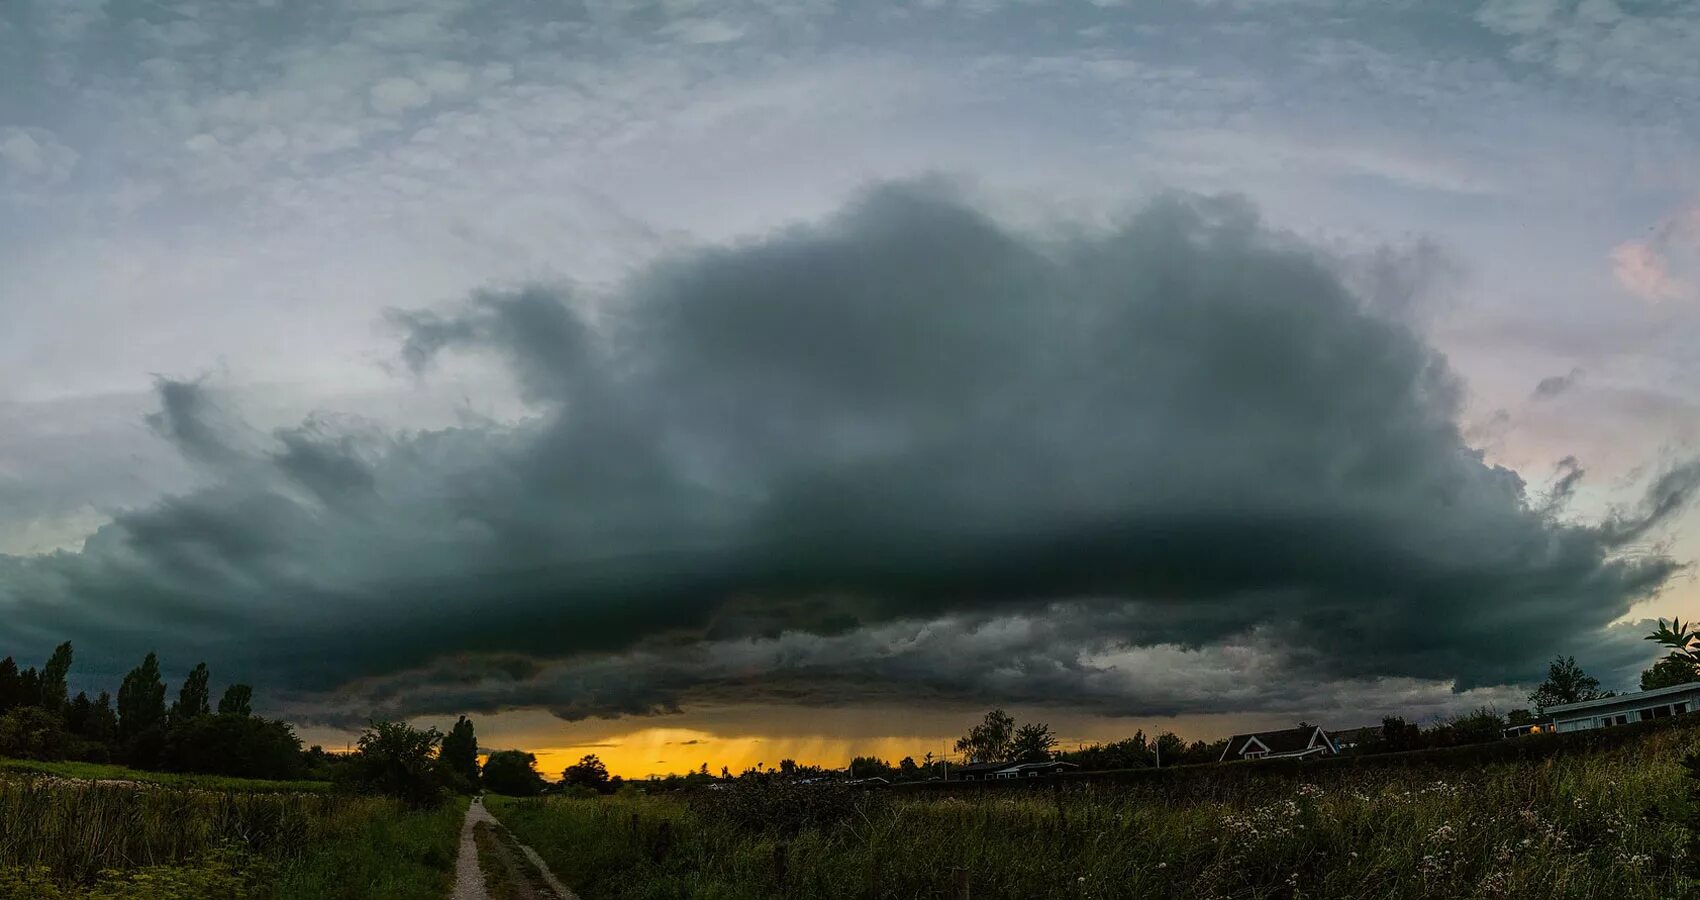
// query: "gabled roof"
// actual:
[[1275, 743]]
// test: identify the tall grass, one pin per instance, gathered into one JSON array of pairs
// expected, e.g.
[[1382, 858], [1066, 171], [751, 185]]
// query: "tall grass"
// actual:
[[106, 772], [143, 840], [1601, 824]]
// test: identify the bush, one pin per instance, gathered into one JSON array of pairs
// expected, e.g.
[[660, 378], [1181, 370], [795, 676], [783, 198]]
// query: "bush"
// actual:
[[30, 732]]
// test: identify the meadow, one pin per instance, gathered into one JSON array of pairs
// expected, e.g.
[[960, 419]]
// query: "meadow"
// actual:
[[1603, 819], [134, 839]]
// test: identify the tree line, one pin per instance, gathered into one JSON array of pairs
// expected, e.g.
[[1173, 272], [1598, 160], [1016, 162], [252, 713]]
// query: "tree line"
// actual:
[[39, 721]]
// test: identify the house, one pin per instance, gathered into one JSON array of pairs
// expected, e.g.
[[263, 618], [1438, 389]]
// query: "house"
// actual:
[[1035, 769], [1641, 706], [975, 771], [1288, 743], [1352, 738]]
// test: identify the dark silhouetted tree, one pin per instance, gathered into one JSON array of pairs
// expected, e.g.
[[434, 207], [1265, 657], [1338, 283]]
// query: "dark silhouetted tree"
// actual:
[[1566, 683], [77, 713], [591, 773], [399, 760], [141, 713], [988, 741], [512, 772], [1397, 735], [243, 746], [11, 686], [102, 722], [53, 677], [1032, 743], [195, 699], [1669, 672], [238, 700], [29, 688], [906, 768], [459, 754]]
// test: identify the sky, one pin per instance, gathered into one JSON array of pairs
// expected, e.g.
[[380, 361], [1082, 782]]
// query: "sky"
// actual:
[[718, 383]]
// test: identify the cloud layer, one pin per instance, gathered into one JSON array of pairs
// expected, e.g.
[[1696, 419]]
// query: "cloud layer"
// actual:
[[906, 445]]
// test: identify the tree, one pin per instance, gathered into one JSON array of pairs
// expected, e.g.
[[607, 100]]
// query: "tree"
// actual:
[[1566, 683], [29, 688], [30, 732], [589, 772], [11, 686], [238, 700], [1169, 748], [399, 760], [460, 754], [1519, 717], [1397, 735], [141, 714], [77, 713], [53, 678], [512, 772], [870, 767], [1669, 672], [1032, 743], [242, 746], [102, 723], [194, 699], [988, 741]]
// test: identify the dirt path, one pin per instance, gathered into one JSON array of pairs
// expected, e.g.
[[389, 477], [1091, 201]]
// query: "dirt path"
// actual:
[[469, 878]]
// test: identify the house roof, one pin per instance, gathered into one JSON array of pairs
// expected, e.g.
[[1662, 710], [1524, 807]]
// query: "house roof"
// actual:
[[1287, 740], [1690, 688], [977, 768], [1043, 764]]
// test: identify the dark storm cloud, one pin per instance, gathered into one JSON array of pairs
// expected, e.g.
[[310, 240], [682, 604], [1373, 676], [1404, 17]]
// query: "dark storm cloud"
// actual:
[[1554, 385], [785, 456]]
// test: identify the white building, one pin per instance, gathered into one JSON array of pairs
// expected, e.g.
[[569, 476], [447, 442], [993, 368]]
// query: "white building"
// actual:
[[1642, 706]]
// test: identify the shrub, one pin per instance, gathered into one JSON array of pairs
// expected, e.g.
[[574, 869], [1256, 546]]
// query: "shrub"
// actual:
[[397, 760], [30, 732]]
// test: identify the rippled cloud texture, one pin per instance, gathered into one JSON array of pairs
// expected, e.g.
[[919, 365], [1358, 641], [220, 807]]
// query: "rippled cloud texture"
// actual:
[[1163, 466]]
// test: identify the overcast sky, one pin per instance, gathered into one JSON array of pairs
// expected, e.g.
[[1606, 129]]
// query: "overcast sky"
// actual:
[[627, 373]]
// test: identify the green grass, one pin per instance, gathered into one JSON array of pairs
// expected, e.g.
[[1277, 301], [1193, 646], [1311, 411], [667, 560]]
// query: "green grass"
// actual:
[[64, 837], [104, 772], [1603, 823]]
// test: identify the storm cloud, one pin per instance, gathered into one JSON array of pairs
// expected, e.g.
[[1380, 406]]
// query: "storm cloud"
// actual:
[[906, 445]]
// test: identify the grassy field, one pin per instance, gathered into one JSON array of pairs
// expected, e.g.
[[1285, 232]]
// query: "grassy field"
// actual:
[[104, 772], [63, 837], [1607, 822]]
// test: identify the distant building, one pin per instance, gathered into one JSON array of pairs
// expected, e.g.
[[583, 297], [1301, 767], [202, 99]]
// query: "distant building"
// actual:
[[1289, 743], [978, 771], [1035, 769], [1641, 706], [988, 771]]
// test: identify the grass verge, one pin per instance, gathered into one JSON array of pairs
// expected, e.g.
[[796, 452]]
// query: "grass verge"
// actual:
[[1608, 822]]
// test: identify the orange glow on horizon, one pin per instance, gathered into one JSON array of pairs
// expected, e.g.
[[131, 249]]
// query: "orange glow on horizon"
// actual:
[[663, 751]]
